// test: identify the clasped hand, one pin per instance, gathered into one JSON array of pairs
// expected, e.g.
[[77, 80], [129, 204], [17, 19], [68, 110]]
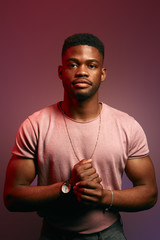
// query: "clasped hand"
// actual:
[[86, 183]]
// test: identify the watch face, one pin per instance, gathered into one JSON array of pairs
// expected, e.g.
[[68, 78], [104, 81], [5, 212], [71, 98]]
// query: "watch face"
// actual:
[[66, 187]]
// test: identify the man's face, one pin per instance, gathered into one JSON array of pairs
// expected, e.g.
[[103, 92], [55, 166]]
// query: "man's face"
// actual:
[[82, 71]]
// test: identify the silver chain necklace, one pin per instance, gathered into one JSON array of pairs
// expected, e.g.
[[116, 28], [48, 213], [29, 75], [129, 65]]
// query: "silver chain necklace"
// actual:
[[64, 117]]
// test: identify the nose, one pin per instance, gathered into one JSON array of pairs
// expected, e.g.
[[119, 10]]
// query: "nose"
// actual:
[[82, 71]]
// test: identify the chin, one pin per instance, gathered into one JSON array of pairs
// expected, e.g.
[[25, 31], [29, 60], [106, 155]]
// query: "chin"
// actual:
[[83, 97]]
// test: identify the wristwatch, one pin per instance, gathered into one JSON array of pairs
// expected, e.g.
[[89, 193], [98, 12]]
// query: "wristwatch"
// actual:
[[66, 187]]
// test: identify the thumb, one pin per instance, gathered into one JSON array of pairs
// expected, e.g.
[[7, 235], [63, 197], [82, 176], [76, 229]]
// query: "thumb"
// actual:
[[83, 161]]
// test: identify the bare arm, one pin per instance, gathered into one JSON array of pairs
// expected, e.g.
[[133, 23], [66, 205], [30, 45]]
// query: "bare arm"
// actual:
[[141, 196], [144, 193], [19, 195]]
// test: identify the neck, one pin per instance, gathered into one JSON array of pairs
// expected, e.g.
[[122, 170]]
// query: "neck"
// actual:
[[81, 110]]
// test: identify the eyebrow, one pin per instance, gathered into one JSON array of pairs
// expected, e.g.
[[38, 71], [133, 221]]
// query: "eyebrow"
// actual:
[[77, 61]]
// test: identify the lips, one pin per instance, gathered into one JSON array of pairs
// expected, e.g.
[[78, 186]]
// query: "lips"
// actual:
[[81, 81]]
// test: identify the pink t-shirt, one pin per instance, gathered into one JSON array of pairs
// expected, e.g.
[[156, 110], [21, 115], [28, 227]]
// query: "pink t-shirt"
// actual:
[[43, 138]]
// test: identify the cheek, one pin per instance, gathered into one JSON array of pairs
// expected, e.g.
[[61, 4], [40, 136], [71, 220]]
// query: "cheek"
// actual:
[[97, 77], [66, 80], [67, 75]]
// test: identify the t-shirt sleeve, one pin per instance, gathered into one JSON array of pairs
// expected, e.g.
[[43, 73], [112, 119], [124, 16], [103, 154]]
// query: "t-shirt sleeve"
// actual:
[[138, 146], [25, 141]]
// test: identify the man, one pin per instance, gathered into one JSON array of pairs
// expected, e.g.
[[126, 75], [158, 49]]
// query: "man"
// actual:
[[79, 148]]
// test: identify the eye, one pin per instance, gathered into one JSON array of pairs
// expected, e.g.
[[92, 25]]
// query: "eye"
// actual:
[[72, 65], [92, 66]]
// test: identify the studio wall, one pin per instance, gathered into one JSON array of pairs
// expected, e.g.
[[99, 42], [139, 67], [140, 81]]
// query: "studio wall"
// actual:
[[32, 34]]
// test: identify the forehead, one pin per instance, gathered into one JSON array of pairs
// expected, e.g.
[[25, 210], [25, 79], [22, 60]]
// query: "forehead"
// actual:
[[82, 52]]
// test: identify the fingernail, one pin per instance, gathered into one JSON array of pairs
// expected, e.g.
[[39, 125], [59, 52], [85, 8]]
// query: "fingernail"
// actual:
[[89, 160]]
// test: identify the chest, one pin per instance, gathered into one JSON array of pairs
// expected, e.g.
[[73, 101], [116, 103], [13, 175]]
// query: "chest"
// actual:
[[64, 145]]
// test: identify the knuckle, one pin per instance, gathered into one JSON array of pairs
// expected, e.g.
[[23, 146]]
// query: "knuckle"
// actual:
[[81, 175], [96, 175]]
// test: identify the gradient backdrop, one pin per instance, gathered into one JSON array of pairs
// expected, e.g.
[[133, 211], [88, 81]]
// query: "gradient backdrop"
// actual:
[[32, 33]]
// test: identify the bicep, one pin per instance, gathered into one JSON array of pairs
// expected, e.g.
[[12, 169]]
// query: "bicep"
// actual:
[[141, 171], [20, 171]]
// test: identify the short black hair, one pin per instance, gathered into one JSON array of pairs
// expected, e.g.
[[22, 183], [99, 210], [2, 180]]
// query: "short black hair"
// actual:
[[83, 39]]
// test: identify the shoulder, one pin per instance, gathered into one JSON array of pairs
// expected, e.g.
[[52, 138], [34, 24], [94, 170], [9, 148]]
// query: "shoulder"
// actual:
[[44, 117], [116, 115], [121, 120], [40, 120], [44, 113]]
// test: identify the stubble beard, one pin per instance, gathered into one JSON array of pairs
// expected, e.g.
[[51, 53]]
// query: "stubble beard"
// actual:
[[82, 96]]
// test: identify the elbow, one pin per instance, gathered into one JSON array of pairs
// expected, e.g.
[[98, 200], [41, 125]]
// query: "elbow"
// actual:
[[8, 202], [152, 199]]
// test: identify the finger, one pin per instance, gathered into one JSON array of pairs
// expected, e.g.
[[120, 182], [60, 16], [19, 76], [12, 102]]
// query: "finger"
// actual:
[[85, 171], [94, 177], [87, 174], [94, 191], [84, 161], [88, 192], [88, 184], [98, 180], [89, 196], [84, 166]]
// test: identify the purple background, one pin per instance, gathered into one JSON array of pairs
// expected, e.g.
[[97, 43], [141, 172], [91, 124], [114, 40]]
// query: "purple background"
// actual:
[[32, 34]]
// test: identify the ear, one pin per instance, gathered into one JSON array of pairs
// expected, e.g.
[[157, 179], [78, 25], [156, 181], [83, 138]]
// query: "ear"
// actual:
[[60, 72], [103, 74]]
